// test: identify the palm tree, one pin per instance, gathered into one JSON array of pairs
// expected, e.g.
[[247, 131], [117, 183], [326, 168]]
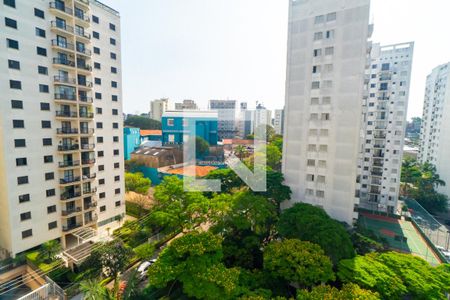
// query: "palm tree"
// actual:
[[93, 290], [49, 250], [430, 178]]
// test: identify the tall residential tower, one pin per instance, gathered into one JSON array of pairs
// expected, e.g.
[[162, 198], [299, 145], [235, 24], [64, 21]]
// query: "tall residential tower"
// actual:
[[328, 52], [435, 131], [384, 124], [61, 153]]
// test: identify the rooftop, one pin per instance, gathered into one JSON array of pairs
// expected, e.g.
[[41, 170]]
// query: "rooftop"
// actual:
[[145, 132], [198, 171], [106, 7], [191, 113]]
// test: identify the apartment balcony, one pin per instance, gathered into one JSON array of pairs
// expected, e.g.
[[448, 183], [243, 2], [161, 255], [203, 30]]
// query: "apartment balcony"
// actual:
[[71, 212], [84, 3], [376, 173], [68, 148], [91, 221], [65, 97], [60, 9], [67, 131], [64, 62], [87, 131], [83, 36], [379, 146], [66, 114], [82, 18], [85, 99], [69, 164], [84, 68], [89, 192], [89, 177], [86, 115], [70, 227], [378, 163], [84, 51], [88, 162], [60, 27], [379, 136], [87, 147], [58, 45], [90, 205], [84, 85], [69, 180], [64, 80], [70, 196]]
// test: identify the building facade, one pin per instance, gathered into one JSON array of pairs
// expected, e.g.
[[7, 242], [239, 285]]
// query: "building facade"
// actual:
[[186, 105], [227, 117], [384, 124], [435, 131], [261, 117], [328, 52], [178, 126], [158, 108], [278, 121], [61, 153], [131, 141]]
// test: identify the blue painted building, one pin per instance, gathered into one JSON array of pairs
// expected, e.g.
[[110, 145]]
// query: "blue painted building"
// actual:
[[131, 140], [178, 125]]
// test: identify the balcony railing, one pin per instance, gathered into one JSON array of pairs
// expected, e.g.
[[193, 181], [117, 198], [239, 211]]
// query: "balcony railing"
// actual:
[[68, 147], [68, 196], [84, 67], [66, 130], [71, 179], [379, 146], [62, 26], [87, 115], [89, 191], [63, 61], [374, 173], [85, 83], [87, 146], [63, 45], [85, 99], [66, 114], [85, 2], [378, 155], [89, 176], [91, 220], [87, 130], [60, 7], [69, 212], [83, 34], [63, 79], [82, 16], [90, 205], [62, 96], [88, 161], [378, 164], [66, 228], [379, 136], [84, 51], [67, 163]]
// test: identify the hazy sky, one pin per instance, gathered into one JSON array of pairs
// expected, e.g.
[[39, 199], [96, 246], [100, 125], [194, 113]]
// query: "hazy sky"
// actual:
[[236, 49]]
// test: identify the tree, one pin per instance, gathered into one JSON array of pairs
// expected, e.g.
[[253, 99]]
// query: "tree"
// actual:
[[309, 223], [195, 261], [273, 155], [301, 263], [145, 251], [142, 122], [240, 151], [93, 290], [110, 258], [410, 175], [201, 147], [430, 178], [180, 209], [49, 250], [278, 142], [433, 202], [136, 182], [348, 292]]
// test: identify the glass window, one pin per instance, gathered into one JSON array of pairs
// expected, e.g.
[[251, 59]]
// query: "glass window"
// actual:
[[24, 198], [112, 26], [51, 209], [48, 159], [11, 3], [19, 143], [39, 13], [13, 44], [21, 161], [29, 232], [95, 19], [40, 32], [15, 84], [10, 23], [41, 51], [22, 180], [13, 64], [16, 104], [52, 225], [18, 124]]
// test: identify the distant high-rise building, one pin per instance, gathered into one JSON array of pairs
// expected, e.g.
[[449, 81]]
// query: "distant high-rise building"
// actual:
[[61, 123], [278, 121], [227, 117], [261, 116], [413, 128], [384, 126], [158, 108], [435, 132], [186, 105], [328, 52]]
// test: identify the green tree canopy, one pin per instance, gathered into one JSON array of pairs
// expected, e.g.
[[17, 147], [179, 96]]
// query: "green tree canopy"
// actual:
[[195, 260], [298, 262], [49, 250], [142, 122], [309, 223], [136, 182], [348, 292], [201, 146]]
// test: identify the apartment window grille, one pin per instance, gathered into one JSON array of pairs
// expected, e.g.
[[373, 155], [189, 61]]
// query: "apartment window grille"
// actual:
[[329, 51], [50, 192], [18, 104], [52, 225], [22, 180], [41, 51], [45, 106], [18, 123], [318, 36], [15, 84], [51, 209], [49, 176], [40, 32], [42, 70], [319, 19], [46, 142]]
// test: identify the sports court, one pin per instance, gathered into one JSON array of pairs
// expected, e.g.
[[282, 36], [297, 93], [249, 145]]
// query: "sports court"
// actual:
[[400, 235]]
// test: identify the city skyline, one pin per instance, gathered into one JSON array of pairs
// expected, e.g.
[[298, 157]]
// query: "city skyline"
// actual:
[[222, 61]]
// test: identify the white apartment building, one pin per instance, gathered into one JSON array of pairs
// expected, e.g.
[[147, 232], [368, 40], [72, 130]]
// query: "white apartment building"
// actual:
[[227, 127], [186, 105], [61, 160], [278, 121], [261, 117], [384, 124], [435, 131], [158, 108], [327, 56]]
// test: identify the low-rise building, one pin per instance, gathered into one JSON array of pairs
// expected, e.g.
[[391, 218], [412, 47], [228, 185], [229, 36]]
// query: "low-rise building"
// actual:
[[186, 105], [131, 141]]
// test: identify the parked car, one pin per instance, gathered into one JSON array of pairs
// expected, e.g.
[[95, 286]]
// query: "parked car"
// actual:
[[143, 268]]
